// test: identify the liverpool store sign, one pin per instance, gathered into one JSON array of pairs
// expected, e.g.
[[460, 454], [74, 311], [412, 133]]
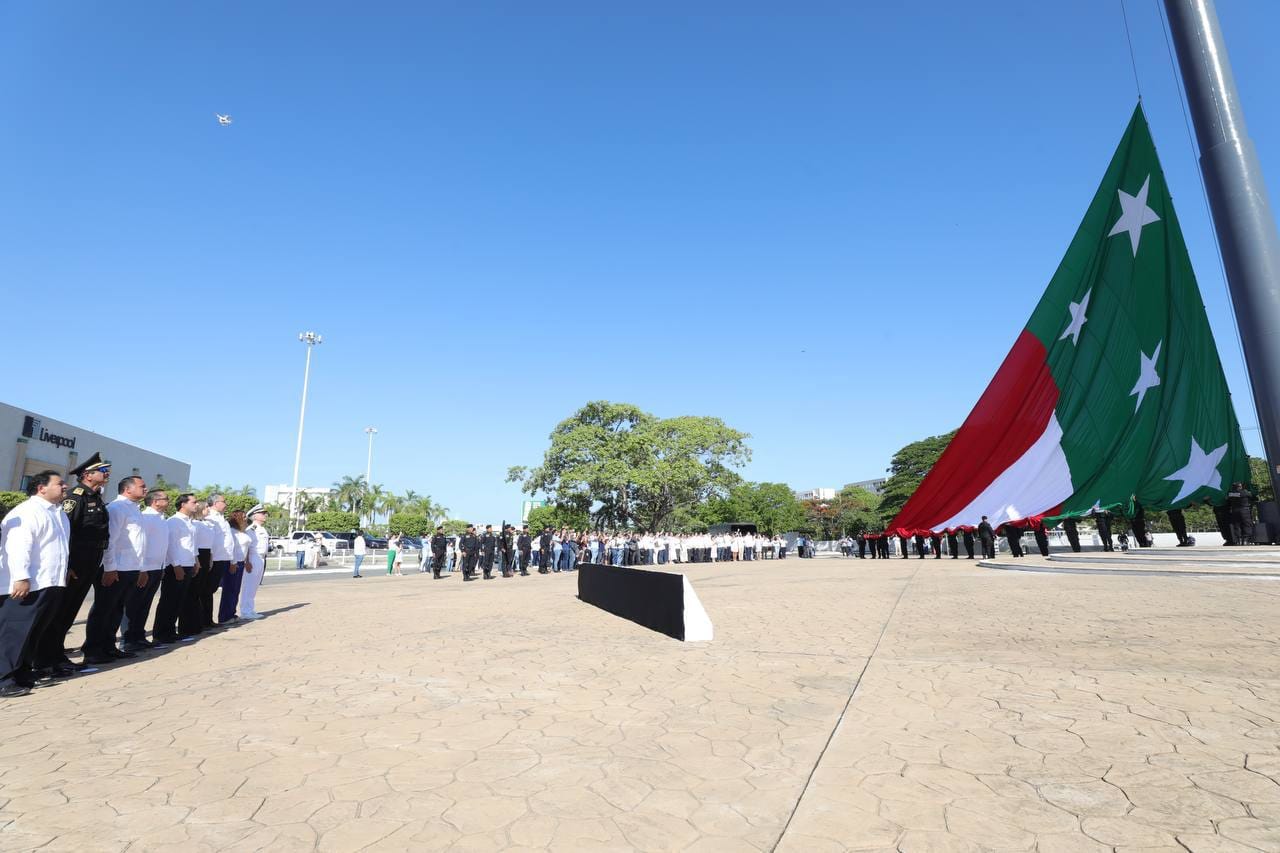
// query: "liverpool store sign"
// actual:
[[33, 428]]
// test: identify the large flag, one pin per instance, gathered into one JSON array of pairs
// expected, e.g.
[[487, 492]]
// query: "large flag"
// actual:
[[1113, 391]]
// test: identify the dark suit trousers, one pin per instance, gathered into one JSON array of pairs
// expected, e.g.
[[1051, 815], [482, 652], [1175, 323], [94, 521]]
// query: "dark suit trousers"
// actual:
[[21, 625]]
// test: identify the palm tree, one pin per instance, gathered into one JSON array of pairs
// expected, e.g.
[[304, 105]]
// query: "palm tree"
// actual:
[[350, 492], [373, 501]]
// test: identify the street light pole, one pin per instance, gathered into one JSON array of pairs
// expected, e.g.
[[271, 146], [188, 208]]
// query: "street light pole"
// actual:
[[311, 339], [368, 468]]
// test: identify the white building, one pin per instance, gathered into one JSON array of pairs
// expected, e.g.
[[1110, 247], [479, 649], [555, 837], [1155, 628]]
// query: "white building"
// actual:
[[875, 487], [41, 443], [282, 493], [815, 494]]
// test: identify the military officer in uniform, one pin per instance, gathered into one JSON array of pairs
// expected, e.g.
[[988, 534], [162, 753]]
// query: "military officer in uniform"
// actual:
[[88, 516], [508, 547], [470, 545], [935, 542], [1240, 507], [1073, 533], [1042, 538], [1178, 522], [439, 547], [524, 545], [1013, 535], [987, 536], [952, 546], [967, 535], [544, 551], [488, 543], [1103, 521]]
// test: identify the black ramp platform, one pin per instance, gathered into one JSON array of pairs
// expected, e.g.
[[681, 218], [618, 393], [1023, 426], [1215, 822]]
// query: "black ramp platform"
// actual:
[[660, 601]]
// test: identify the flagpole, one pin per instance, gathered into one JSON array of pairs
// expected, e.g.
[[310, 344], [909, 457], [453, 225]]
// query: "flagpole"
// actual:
[[1238, 200]]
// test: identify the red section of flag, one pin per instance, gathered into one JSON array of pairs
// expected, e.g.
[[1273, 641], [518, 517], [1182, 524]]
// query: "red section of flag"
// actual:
[[1009, 417]]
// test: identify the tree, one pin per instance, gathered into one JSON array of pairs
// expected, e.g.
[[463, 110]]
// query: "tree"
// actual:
[[632, 468], [410, 524], [349, 493], [333, 520], [8, 500], [558, 516], [771, 507], [455, 527], [907, 469]]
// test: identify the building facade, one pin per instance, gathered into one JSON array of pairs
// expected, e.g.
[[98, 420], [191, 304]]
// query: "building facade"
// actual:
[[31, 443], [875, 487], [282, 493], [814, 494]]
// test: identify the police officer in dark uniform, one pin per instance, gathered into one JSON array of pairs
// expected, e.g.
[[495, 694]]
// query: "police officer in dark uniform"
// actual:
[[439, 547], [952, 546], [862, 546], [508, 545], [1042, 538], [1178, 522], [1240, 507], [1103, 522], [524, 545], [470, 545], [902, 541], [1073, 533], [88, 515], [935, 542], [1138, 521], [967, 535], [488, 543], [1013, 535], [544, 551], [987, 536], [919, 543]]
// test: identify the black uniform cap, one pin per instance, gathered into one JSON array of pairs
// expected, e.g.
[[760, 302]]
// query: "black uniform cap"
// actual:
[[93, 463]]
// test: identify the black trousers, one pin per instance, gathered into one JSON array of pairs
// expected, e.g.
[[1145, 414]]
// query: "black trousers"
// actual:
[[438, 560], [953, 546], [1242, 526], [469, 560], [1042, 541], [138, 607], [902, 540], [1104, 531], [1014, 538], [1073, 534], [100, 630], [175, 596], [22, 623], [936, 543], [1223, 516], [212, 582], [85, 566], [486, 563], [1178, 522], [190, 620], [988, 548], [967, 536]]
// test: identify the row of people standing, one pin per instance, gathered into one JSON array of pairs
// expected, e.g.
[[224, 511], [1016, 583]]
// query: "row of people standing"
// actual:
[[60, 543]]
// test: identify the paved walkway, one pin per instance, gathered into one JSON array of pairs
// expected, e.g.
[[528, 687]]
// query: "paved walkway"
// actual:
[[844, 704]]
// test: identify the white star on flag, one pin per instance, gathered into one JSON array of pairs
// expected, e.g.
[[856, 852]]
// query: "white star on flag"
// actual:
[[1078, 318], [1201, 470], [1147, 376], [1136, 214]]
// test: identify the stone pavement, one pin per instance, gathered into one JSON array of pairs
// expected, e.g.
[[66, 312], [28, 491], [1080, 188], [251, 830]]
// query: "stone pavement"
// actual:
[[844, 704]]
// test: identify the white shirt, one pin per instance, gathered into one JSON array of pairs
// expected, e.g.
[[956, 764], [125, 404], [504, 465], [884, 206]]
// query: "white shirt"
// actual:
[[224, 544], [241, 544], [358, 547], [34, 538], [127, 542], [259, 545], [261, 541], [182, 541], [203, 534], [153, 524]]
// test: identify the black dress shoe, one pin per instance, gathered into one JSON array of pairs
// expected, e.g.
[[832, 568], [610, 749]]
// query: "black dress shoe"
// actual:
[[99, 660], [10, 691], [119, 655], [63, 671]]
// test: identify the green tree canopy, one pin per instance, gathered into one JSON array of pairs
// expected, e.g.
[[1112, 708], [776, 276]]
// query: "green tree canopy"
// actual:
[[558, 516], [336, 521], [771, 507], [632, 468], [907, 469], [455, 527], [409, 523]]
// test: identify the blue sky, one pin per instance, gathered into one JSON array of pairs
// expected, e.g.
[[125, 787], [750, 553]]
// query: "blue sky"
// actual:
[[824, 223]]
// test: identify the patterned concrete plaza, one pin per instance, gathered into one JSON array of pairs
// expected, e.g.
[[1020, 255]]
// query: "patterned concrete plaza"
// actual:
[[844, 704]]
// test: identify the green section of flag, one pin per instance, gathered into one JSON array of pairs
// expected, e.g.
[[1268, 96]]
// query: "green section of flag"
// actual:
[[1141, 387]]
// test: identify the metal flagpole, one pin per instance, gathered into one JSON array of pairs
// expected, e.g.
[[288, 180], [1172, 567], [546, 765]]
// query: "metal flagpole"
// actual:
[[1238, 200], [368, 468], [310, 339]]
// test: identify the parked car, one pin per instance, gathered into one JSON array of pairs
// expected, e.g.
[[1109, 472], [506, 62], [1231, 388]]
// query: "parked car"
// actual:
[[329, 542]]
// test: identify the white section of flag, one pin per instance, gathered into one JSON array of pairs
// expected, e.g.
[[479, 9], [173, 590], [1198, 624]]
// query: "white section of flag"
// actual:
[[1037, 482]]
